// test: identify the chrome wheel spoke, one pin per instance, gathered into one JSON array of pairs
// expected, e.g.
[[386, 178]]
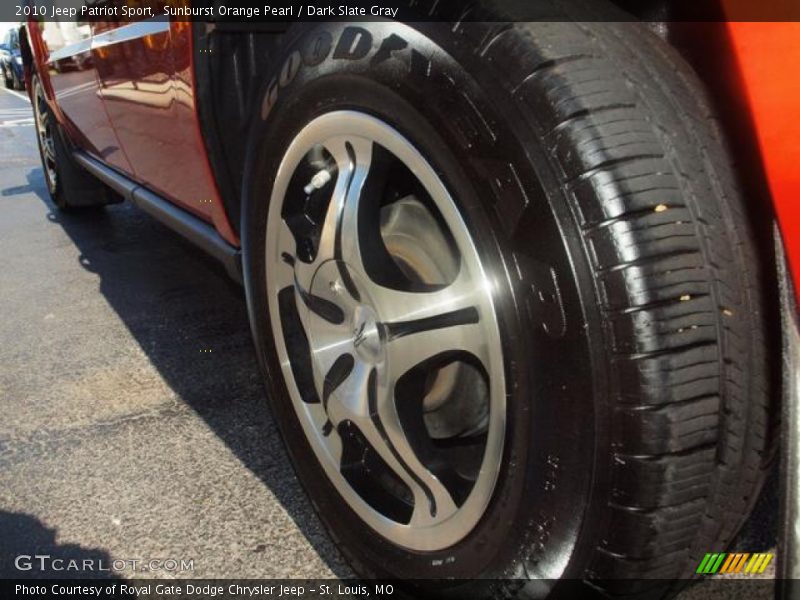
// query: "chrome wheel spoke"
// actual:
[[432, 500], [353, 157], [445, 336], [329, 348], [337, 233], [349, 401], [399, 306], [291, 271], [364, 401], [327, 234], [421, 326]]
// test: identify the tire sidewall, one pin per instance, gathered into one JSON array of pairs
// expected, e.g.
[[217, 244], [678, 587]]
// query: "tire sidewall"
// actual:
[[400, 75]]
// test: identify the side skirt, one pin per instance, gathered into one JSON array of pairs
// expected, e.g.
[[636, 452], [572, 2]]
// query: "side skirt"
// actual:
[[186, 224]]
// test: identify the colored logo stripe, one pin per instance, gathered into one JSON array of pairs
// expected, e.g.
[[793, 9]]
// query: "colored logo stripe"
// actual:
[[727, 564], [711, 563], [724, 563], [758, 563], [734, 563]]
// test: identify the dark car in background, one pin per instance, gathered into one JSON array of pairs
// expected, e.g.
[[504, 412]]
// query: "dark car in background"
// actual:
[[11, 61]]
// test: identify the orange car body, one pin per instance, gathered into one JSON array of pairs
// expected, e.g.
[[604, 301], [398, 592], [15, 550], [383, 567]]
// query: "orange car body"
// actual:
[[768, 55]]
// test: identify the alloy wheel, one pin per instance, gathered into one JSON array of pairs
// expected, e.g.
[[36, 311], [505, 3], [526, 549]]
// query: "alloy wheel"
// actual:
[[44, 130], [385, 328]]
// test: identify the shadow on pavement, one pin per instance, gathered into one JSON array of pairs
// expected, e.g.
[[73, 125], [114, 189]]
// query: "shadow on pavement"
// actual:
[[23, 538], [191, 321]]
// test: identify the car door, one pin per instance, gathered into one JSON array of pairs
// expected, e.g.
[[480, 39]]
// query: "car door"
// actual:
[[72, 76], [145, 82]]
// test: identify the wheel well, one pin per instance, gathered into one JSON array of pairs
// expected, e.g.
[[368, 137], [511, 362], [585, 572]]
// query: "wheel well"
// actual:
[[229, 60]]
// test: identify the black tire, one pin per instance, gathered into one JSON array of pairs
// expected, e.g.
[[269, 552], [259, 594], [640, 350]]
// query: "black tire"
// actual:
[[7, 80], [586, 160], [70, 186], [18, 82]]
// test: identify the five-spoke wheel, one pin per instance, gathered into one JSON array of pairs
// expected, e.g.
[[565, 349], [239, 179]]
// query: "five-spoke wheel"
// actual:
[[384, 323]]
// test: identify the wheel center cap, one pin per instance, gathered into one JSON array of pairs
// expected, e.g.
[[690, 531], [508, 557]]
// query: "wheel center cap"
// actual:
[[337, 284], [366, 334]]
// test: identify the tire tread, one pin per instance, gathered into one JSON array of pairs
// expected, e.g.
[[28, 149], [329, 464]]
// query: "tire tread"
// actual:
[[663, 222]]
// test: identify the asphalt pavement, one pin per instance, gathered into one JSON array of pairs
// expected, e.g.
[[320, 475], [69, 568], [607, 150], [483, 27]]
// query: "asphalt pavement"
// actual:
[[133, 423]]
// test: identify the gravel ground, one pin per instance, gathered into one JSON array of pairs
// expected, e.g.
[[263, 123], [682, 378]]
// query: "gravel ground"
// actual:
[[134, 424]]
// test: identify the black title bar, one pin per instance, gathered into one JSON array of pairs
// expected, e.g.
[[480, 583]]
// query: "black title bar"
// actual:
[[287, 11]]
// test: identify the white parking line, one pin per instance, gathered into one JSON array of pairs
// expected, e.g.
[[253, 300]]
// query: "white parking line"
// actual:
[[16, 117], [17, 94], [17, 122]]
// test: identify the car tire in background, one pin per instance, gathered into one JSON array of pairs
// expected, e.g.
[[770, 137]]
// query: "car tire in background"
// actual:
[[70, 186], [17, 82], [504, 289]]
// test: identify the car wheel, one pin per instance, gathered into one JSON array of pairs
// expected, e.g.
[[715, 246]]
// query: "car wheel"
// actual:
[[504, 290], [7, 79], [69, 185]]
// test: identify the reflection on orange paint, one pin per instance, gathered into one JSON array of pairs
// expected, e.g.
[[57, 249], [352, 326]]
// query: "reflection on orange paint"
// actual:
[[768, 55]]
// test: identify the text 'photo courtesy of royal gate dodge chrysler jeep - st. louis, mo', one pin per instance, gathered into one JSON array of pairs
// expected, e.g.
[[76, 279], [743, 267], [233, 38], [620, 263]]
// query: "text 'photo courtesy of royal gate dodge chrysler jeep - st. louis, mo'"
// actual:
[[521, 290]]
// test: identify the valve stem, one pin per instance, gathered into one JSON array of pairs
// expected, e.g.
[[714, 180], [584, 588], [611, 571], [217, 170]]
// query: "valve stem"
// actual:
[[318, 181]]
